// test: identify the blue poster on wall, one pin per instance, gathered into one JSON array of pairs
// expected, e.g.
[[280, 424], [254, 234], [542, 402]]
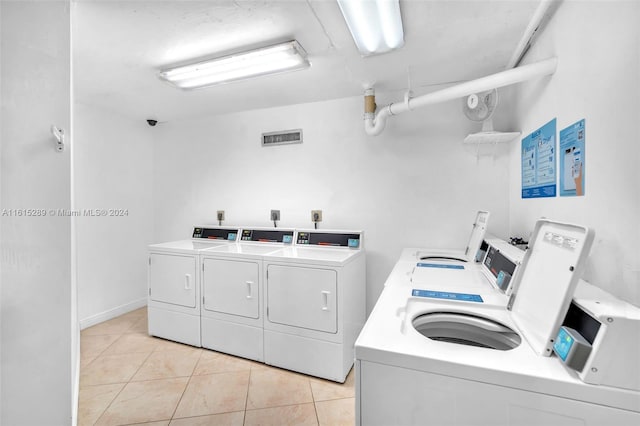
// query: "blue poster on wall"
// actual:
[[572, 157], [539, 162]]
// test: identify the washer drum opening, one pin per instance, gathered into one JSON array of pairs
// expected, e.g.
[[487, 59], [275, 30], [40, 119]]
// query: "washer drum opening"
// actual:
[[466, 329]]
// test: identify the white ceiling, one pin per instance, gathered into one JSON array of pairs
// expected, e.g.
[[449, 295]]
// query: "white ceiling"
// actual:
[[119, 47]]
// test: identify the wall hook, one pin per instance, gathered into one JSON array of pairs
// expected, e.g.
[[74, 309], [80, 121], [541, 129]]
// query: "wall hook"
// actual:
[[409, 93], [59, 135]]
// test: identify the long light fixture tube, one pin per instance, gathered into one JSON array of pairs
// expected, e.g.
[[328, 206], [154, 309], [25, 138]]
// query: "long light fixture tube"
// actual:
[[289, 56], [375, 25]]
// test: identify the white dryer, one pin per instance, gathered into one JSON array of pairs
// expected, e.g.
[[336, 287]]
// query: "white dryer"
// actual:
[[173, 301], [315, 303], [424, 360], [232, 302]]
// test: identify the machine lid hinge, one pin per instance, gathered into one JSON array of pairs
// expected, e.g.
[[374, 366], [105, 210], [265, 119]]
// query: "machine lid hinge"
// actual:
[[512, 299]]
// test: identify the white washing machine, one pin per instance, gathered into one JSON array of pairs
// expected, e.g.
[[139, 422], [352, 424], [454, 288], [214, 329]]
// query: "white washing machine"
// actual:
[[490, 280], [315, 301], [468, 254], [173, 301], [494, 273], [232, 299], [445, 259], [424, 360]]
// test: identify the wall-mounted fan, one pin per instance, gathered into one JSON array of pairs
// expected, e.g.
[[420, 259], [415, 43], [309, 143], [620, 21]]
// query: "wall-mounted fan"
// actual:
[[479, 107]]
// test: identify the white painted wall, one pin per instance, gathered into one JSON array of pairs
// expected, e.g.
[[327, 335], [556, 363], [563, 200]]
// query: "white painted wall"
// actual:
[[113, 170], [415, 185], [598, 76], [1, 204], [39, 338]]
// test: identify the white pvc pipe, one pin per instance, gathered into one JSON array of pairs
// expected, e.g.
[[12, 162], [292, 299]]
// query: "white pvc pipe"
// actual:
[[374, 125], [534, 24]]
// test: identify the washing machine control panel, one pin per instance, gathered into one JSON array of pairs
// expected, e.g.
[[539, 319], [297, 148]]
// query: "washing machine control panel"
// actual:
[[227, 234], [329, 239], [500, 266], [267, 236]]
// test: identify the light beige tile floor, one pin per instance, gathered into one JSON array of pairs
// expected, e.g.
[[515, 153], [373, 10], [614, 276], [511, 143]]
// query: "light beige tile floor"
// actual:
[[128, 377]]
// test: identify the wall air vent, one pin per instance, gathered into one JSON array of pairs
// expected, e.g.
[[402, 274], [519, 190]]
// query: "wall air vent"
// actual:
[[282, 138]]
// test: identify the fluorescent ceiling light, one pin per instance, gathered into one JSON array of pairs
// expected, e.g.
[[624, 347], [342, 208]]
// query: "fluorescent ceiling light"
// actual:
[[376, 25], [287, 56]]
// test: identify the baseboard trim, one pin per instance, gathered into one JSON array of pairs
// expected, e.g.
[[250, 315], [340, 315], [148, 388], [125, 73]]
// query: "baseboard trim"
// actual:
[[112, 313]]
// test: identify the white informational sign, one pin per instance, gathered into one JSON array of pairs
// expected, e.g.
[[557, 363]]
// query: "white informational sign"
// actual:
[[539, 162], [572, 170]]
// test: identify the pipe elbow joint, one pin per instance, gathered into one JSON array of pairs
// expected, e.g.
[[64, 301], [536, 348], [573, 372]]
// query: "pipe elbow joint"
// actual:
[[374, 125]]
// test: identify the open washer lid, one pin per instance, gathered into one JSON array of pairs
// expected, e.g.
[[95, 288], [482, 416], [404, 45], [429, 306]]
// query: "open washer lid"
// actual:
[[550, 271], [471, 250], [477, 235]]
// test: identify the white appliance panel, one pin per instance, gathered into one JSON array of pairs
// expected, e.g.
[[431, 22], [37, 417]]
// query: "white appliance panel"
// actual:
[[176, 326], [547, 280], [477, 235], [306, 355], [231, 287], [402, 396], [233, 338], [302, 297], [172, 279]]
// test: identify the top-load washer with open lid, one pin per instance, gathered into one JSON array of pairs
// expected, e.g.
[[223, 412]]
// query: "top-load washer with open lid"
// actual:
[[456, 265], [458, 255], [173, 301], [541, 295], [232, 292], [420, 358], [466, 255], [472, 254], [315, 303], [493, 276]]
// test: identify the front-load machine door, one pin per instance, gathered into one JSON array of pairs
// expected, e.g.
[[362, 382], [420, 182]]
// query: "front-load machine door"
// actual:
[[231, 287], [172, 279], [302, 297]]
